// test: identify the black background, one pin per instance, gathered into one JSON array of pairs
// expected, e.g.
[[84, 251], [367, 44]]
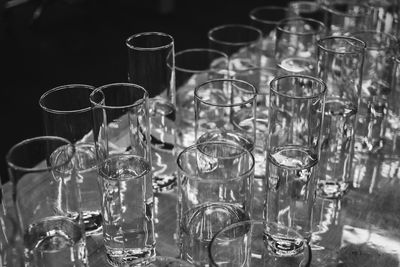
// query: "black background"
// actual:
[[83, 41]]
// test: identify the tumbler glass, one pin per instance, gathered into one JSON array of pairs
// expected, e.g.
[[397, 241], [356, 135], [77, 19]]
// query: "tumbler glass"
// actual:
[[47, 200], [258, 243], [214, 190], [340, 62], [66, 112], [377, 79], [121, 127], [266, 18], [295, 45], [152, 66], [342, 17], [242, 44], [295, 119], [225, 109], [192, 68]]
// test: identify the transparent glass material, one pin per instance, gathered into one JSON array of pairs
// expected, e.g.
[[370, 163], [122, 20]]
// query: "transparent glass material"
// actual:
[[306, 9], [47, 200], [240, 42], [342, 17], [295, 45], [66, 112], [258, 243], [385, 16], [192, 68], [225, 109], [340, 61], [295, 118], [265, 18], [163, 261], [214, 190], [151, 65], [121, 127], [377, 83]]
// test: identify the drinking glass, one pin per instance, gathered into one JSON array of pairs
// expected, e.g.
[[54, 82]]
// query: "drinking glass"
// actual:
[[66, 112], [214, 190], [342, 17], [225, 109], [295, 45], [192, 68], [258, 243], [306, 9], [295, 119], [121, 127], [152, 66], [377, 78], [385, 16], [47, 200], [340, 60], [240, 42], [265, 18], [163, 261]]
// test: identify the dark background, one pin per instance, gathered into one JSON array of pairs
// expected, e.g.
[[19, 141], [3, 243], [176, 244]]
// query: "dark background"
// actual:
[[54, 42]]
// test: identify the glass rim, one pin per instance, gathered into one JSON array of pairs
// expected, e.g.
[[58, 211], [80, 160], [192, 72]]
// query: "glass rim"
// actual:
[[243, 26], [390, 37], [251, 99], [362, 44], [271, 7], [141, 34], [195, 146], [124, 155], [253, 222], [283, 21], [110, 85], [61, 88], [38, 139], [328, 7], [315, 79], [198, 50]]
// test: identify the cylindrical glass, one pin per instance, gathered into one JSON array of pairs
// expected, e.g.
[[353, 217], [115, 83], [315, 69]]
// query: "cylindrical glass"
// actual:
[[47, 199], [258, 243], [385, 16], [295, 45], [152, 66], [66, 112], [214, 190], [225, 109], [377, 79], [121, 127], [192, 68], [340, 61], [342, 17], [295, 119], [240, 42], [266, 18]]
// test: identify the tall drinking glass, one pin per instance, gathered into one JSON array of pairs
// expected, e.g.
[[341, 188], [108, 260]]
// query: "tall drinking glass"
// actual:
[[296, 115], [295, 45], [192, 68], [66, 112], [151, 64], [214, 190], [240, 42], [47, 199], [225, 109], [258, 243], [121, 127], [340, 62], [377, 79], [265, 18]]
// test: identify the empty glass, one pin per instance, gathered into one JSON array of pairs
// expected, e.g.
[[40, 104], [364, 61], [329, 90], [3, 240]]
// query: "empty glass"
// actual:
[[295, 119], [295, 45], [47, 199], [240, 42], [151, 65], [214, 190], [66, 112], [258, 243], [192, 68]]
